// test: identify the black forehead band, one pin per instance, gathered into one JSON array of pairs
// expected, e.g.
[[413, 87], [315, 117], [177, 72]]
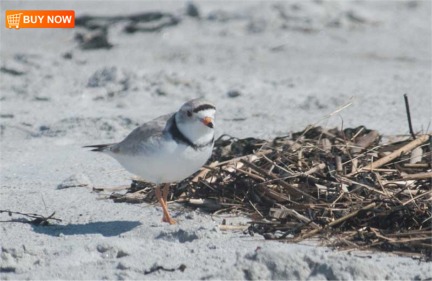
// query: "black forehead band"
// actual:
[[203, 107]]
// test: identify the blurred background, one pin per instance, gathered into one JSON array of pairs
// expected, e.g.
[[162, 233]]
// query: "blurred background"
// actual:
[[271, 67]]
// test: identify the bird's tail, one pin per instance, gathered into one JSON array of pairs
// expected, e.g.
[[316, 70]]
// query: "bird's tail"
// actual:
[[99, 147]]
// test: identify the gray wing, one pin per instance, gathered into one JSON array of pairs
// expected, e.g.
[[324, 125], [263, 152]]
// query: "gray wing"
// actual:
[[144, 138]]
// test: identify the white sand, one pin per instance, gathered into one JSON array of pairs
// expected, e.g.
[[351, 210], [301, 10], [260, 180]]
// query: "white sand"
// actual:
[[292, 62]]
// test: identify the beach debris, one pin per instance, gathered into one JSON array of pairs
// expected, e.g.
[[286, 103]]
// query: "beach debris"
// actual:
[[76, 180], [156, 268], [67, 55], [192, 10], [151, 22], [11, 71], [93, 31], [344, 187], [93, 39], [146, 21], [113, 80], [35, 219]]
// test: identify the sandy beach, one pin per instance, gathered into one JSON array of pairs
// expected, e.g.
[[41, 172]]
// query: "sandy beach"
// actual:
[[271, 68]]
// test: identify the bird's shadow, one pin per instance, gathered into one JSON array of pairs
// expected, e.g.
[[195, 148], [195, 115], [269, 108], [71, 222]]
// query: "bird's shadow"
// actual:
[[105, 228]]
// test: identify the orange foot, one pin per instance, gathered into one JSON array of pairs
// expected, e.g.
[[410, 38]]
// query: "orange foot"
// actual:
[[168, 220], [162, 200]]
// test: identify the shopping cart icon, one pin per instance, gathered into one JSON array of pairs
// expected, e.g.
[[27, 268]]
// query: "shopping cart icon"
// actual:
[[14, 20]]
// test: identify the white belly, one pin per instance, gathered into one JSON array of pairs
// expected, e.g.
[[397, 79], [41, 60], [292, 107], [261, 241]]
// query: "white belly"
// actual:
[[173, 162]]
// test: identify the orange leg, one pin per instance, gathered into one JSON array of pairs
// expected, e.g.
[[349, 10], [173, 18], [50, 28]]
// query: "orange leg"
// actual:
[[166, 216], [165, 192]]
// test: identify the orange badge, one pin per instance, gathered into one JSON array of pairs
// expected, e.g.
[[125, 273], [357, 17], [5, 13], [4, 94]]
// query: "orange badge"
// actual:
[[40, 19]]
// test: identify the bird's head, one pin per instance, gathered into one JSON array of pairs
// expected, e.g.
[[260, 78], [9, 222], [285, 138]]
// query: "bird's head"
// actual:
[[196, 120]]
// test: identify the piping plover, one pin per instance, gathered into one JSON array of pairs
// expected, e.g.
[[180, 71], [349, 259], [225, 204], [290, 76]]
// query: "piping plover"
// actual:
[[167, 149]]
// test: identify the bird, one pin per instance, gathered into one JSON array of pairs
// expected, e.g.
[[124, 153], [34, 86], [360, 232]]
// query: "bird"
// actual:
[[168, 148]]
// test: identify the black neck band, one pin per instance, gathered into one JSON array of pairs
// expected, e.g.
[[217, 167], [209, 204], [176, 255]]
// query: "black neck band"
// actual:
[[179, 137]]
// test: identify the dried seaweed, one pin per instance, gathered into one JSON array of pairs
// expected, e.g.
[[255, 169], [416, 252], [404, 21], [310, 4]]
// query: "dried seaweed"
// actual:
[[342, 186]]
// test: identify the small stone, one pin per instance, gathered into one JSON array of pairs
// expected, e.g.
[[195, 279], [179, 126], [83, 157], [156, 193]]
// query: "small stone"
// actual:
[[233, 93], [67, 55], [42, 98], [161, 92], [192, 10], [121, 254], [122, 266], [102, 248], [44, 128]]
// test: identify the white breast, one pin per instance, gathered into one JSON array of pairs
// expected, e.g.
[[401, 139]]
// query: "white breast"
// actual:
[[171, 163]]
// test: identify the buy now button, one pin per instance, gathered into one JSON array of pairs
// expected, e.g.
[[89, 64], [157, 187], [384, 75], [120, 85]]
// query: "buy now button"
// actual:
[[40, 19]]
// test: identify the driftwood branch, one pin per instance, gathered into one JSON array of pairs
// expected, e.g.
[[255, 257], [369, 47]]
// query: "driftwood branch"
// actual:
[[395, 154]]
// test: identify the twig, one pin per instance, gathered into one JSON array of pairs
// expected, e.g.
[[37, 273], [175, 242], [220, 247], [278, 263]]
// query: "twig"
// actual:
[[295, 214], [275, 195], [233, 160], [341, 108], [204, 171], [284, 184], [417, 197], [409, 116], [205, 203], [406, 148], [225, 227], [37, 219], [256, 210], [360, 155], [365, 141], [417, 165], [250, 174], [290, 173], [335, 222], [338, 160], [156, 268], [354, 165], [396, 240], [425, 232], [358, 133], [315, 169], [419, 176]]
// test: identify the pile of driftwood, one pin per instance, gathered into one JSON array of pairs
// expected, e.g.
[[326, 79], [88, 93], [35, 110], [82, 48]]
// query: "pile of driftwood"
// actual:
[[343, 186]]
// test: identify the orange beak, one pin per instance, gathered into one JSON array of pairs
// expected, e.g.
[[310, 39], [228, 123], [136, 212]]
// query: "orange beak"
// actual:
[[208, 121]]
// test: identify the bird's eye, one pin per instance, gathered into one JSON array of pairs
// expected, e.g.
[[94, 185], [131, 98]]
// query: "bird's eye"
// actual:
[[189, 113]]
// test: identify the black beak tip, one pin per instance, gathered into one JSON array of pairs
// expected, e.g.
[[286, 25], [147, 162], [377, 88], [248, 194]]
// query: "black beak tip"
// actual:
[[210, 125]]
